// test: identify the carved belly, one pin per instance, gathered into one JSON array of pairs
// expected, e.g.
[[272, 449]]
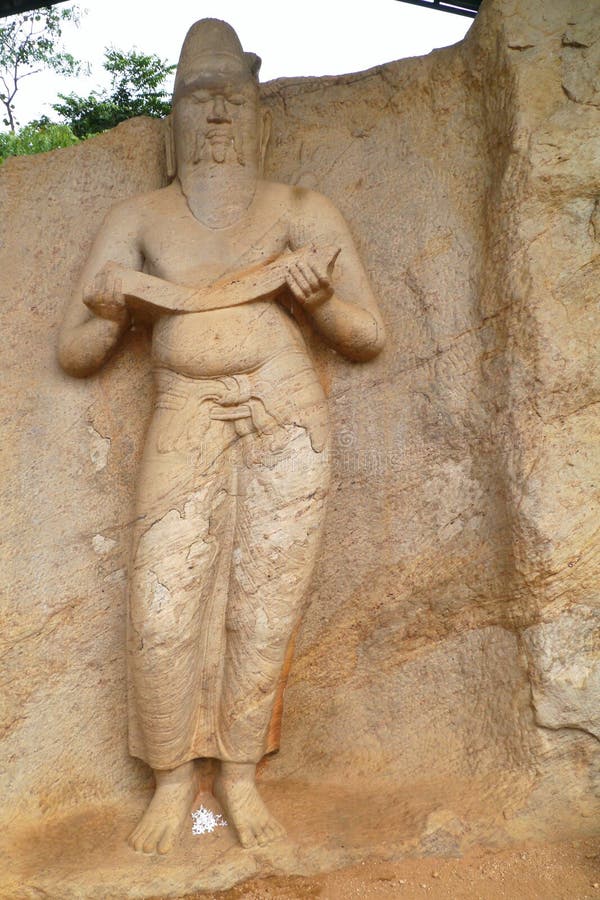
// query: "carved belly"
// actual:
[[223, 342]]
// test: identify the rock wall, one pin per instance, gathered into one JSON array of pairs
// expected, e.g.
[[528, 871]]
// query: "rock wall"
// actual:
[[447, 672]]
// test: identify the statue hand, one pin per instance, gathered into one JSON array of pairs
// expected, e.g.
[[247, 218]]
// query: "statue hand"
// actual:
[[104, 296], [310, 282]]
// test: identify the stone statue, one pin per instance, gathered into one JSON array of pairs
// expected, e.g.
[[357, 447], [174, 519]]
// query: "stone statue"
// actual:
[[234, 476]]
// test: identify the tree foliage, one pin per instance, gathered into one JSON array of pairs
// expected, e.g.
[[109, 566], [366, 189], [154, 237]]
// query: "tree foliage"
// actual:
[[37, 137], [29, 43], [137, 89]]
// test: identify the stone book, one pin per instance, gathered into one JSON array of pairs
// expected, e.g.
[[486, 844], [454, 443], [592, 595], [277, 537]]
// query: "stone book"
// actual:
[[153, 296]]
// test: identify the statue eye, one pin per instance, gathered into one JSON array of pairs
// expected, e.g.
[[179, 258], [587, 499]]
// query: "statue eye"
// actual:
[[236, 99], [201, 96]]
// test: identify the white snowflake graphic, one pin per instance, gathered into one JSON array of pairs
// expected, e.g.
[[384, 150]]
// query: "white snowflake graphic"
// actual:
[[206, 821]]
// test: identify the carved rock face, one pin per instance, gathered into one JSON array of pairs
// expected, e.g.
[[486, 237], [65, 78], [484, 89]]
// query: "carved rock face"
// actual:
[[458, 566], [217, 121], [234, 475]]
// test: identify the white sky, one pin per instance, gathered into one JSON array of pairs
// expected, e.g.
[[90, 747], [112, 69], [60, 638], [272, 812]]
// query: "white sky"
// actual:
[[304, 37]]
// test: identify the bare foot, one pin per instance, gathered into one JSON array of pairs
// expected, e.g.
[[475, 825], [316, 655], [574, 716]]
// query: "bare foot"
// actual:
[[169, 808], [236, 791]]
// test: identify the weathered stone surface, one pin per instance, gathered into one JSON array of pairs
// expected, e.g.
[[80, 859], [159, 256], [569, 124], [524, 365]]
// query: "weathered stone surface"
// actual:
[[565, 670], [581, 58], [459, 570], [223, 266]]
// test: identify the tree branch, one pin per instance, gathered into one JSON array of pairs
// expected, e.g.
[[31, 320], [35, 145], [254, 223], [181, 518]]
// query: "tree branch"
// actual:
[[30, 72]]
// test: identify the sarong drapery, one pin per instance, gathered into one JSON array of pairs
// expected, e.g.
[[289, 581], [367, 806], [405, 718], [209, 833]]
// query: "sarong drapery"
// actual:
[[229, 509]]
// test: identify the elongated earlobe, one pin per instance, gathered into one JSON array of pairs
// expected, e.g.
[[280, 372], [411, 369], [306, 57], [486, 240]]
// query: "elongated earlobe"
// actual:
[[254, 63], [170, 149], [265, 134]]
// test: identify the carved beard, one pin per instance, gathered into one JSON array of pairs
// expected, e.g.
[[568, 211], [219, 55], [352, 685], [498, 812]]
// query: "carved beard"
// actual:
[[217, 145]]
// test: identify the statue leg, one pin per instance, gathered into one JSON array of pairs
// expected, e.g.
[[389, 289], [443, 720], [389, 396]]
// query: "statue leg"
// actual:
[[281, 503], [184, 516]]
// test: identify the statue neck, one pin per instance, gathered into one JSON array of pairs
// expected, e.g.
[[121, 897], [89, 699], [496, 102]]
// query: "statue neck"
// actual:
[[219, 194]]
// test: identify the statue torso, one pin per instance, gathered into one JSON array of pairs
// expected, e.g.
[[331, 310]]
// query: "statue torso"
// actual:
[[182, 250]]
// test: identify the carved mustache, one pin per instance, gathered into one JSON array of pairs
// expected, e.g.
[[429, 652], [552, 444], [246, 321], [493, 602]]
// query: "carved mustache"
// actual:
[[225, 136], [219, 131]]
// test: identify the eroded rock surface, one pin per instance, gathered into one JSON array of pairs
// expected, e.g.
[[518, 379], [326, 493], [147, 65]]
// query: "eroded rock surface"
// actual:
[[444, 691], [565, 670]]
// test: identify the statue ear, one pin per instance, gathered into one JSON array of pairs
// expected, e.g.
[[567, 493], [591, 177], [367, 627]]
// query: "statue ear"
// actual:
[[265, 134], [254, 63], [170, 148]]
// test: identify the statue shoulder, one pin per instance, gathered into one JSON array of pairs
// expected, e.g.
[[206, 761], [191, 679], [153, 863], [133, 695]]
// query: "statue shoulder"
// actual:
[[135, 211], [313, 212], [304, 203], [312, 204]]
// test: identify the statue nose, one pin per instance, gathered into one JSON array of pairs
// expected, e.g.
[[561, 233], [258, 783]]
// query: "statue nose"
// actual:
[[218, 112]]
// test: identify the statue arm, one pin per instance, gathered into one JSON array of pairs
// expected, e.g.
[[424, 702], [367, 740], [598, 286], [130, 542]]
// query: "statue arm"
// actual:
[[85, 340], [339, 301]]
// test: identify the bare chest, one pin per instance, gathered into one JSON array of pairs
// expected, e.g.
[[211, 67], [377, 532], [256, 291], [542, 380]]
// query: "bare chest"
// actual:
[[182, 250]]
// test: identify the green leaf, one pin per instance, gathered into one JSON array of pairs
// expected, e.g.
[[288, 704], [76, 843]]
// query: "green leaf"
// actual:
[[24, 47], [37, 137], [138, 89]]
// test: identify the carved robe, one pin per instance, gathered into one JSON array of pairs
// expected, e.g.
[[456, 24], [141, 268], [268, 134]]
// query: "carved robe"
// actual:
[[230, 503]]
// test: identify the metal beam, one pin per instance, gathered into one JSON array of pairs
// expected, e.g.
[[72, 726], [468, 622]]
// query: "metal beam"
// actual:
[[468, 8], [458, 7], [12, 7]]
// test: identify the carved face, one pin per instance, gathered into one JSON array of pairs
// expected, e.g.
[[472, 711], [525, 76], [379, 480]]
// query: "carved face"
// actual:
[[217, 120]]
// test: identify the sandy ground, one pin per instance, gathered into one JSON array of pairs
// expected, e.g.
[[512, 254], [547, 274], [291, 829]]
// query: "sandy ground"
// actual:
[[565, 871], [470, 855]]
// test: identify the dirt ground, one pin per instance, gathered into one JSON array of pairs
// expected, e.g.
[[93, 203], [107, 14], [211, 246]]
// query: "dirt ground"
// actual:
[[565, 871]]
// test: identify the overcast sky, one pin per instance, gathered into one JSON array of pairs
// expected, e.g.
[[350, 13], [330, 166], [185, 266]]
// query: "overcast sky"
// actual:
[[305, 37]]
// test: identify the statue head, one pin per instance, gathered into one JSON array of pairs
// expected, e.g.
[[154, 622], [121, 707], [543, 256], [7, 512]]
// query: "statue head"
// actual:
[[216, 117]]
